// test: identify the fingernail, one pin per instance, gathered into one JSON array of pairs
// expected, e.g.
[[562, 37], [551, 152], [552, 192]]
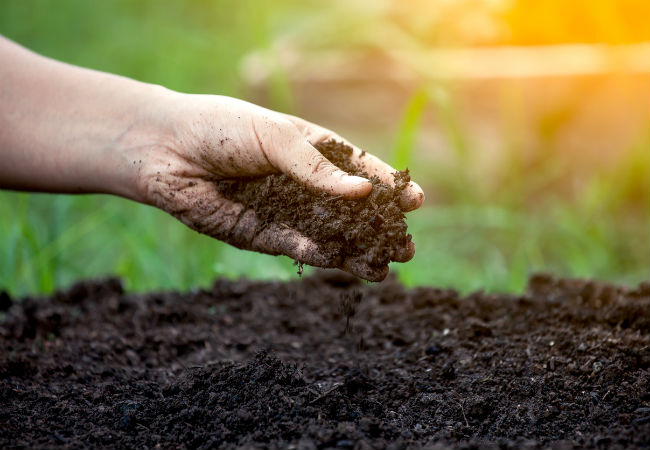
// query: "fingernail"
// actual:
[[350, 180], [353, 180], [352, 186]]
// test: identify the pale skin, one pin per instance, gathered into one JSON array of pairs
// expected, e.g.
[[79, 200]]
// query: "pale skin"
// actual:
[[68, 129]]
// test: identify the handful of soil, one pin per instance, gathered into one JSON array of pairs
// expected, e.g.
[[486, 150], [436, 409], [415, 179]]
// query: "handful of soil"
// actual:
[[371, 228]]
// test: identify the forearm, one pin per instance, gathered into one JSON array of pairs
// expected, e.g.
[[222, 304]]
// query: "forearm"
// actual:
[[68, 129]]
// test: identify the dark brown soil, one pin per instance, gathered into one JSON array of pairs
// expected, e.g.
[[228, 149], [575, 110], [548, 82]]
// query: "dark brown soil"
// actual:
[[271, 365], [372, 227]]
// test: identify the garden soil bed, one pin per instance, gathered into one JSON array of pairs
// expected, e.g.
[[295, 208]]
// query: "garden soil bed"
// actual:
[[327, 362]]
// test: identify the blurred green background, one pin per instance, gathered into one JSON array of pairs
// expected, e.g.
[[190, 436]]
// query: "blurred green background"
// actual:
[[522, 174]]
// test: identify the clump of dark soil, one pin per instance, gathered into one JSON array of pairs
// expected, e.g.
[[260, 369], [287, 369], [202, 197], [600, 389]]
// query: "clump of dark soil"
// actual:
[[270, 365], [372, 227]]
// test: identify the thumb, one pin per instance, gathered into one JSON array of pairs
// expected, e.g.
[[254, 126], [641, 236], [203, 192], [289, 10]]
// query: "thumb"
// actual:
[[301, 161]]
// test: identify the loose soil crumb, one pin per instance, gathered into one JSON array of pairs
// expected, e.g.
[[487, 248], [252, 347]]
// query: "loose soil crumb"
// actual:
[[252, 365], [372, 227], [349, 303]]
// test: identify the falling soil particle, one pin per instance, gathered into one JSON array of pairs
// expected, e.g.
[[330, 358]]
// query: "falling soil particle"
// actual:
[[252, 365], [348, 304], [372, 227]]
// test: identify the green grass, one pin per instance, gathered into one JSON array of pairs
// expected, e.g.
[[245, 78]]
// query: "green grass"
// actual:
[[50, 241], [477, 236], [402, 153]]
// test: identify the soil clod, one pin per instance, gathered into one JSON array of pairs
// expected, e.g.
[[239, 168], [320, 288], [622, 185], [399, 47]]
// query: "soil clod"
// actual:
[[372, 228]]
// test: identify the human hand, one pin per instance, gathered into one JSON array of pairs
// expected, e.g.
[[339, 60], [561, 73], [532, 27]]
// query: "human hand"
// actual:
[[210, 138], [74, 130]]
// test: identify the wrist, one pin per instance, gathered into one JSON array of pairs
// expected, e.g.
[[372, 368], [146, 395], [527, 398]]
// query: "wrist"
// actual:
[[142, 147]]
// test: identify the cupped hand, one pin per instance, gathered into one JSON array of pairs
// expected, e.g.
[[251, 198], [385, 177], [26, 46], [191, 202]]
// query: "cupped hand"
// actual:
[[214, 137]]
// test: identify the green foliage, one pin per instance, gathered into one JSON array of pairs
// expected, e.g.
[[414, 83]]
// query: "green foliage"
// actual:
[[407, 131], [50, 241]]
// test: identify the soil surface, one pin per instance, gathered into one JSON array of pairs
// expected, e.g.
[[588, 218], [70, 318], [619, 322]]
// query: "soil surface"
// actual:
[[372, 228], [327, 362]]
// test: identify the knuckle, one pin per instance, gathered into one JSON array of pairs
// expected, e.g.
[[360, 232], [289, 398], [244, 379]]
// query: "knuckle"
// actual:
[[217, 220], [316, 135], [275, 135], [242, 233], [319, 164], [283, 128], [222, 221], [266, 242]]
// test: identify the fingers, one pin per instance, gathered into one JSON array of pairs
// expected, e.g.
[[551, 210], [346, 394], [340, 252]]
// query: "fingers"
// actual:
[[412, 197], [292, 154], [200, 206], [276, 239], [357, 266], [242, 229], [405, 254]]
